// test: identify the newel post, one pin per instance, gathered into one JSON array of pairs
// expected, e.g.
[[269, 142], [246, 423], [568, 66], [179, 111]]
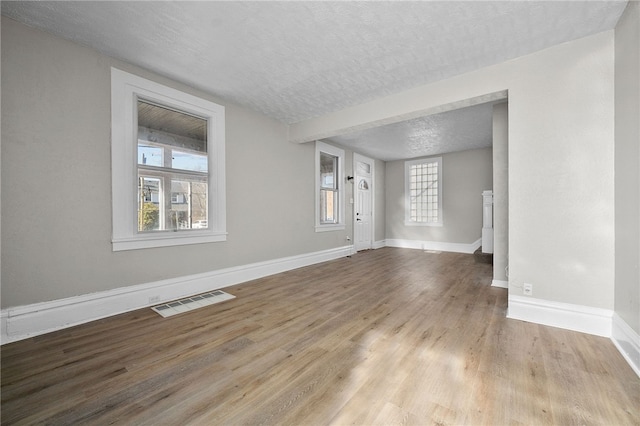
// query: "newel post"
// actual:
[[487, 221]]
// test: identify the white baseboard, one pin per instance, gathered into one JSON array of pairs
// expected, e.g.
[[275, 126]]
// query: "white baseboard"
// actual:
[[584, 319], [500, 283], [379, 244], [22, 322], [627, 341], [435, 245]]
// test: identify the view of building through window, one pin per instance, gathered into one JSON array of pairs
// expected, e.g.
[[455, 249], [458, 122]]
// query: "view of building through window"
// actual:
[[172, 169]]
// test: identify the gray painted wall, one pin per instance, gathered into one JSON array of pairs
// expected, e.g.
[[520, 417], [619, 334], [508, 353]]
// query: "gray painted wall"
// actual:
[[561, 165], [56, 213], [500, 191], [627, 166], [56, 184], [465, 175]]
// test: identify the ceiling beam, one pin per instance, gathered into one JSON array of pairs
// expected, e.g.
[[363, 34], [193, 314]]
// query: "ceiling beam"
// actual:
[[462, 91]]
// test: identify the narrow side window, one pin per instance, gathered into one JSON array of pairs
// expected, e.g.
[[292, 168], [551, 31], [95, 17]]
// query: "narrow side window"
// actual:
[[329, 187]]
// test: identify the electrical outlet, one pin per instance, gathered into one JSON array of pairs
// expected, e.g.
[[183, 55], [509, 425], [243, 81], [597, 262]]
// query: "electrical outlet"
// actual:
[[527, 289], [154, 299]]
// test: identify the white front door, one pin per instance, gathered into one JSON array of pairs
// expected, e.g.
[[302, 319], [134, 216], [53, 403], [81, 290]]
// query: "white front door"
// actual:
[[363, 205]]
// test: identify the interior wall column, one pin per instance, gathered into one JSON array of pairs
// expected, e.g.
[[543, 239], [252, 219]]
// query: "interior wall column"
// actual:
[[500, 194]]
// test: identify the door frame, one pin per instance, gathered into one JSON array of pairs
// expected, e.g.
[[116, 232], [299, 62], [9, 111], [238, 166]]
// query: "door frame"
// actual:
[[362, 158]]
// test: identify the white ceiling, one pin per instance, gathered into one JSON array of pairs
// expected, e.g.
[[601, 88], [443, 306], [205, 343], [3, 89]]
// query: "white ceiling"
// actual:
[[297, 60], [457, 130]]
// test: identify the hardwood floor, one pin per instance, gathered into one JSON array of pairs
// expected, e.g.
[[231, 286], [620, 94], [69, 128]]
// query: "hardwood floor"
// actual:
[[391, 336]]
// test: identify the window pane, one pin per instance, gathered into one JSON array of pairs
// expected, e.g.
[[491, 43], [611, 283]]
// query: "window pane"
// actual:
[[165, 126], [363, 168], [150, 155], [423, 190], [199, 213], [328, 206], [187, 161], [188, 208], [181, 206], [179, 212], [171, 139], [148, 204], [328, 167]]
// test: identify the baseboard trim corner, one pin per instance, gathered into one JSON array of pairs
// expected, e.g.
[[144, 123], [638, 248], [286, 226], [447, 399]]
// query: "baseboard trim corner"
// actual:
[[580, 318], [379, 244], [22, 322], [500, 284], [627, 341]]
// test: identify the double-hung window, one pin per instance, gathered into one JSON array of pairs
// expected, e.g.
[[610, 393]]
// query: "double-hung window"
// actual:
[[423, 192], [167, 166], [329, 191], [172, 168]]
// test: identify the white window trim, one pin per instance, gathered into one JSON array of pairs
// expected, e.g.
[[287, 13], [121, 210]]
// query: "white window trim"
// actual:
[[336, 152], [407, 192], [125, 88]]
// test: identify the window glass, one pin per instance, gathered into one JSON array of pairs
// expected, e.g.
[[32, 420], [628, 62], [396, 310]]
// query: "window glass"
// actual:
[[328, 169], [328, 206], [172, 147], [329, 190], [150, 155], [148, 204], [363, 168], [424, 200], [168, 126], [189, 161]]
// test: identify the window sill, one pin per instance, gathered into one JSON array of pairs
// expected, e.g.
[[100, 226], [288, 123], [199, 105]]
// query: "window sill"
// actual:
[[165, 240], [327, 228], [409, 223]]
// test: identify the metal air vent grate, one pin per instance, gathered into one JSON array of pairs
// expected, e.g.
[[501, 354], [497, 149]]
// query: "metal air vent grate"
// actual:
[[191, 303]]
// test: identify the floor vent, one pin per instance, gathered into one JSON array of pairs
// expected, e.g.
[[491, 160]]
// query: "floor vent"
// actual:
[[191, 303]]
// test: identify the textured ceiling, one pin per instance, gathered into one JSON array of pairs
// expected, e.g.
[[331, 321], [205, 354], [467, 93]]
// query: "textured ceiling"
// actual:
[[457, 130], [297, 60]]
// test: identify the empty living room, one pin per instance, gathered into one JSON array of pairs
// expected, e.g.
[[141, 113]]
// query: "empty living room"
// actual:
[[316, 212]]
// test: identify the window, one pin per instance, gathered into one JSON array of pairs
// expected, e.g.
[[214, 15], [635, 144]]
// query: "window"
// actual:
[[172, 168], [167, 166], [329, 191], [423, 192]]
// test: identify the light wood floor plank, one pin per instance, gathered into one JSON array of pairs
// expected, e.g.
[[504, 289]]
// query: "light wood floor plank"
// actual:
[[390, 336]]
